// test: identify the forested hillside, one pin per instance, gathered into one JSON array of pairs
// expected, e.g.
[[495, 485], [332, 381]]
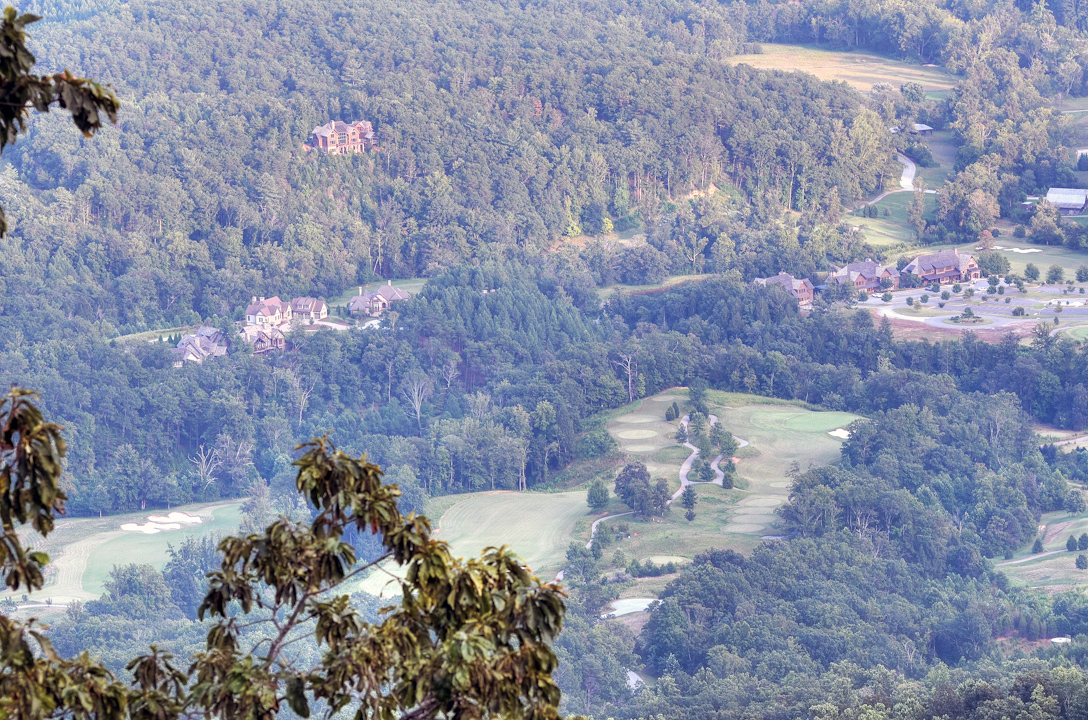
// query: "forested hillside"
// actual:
[[502, 129]]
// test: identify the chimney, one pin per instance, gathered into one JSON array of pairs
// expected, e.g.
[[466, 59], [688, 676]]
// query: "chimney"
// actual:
[[253, 300], [262, 298], [360, 289], [389, 283]]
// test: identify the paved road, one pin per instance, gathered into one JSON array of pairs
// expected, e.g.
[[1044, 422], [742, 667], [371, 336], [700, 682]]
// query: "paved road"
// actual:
[[719, 476], [909, 168], [593, 527], [906, 181]]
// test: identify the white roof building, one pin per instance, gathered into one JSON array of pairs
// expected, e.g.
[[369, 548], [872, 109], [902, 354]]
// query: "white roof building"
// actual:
[[1067, 198]]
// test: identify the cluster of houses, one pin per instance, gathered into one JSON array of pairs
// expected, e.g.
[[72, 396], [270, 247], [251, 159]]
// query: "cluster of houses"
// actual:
[[944, 267], [266, 319]]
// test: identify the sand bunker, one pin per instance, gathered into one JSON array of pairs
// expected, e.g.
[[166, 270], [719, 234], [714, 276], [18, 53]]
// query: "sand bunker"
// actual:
[[641, 448], [638, 419], [158, 523], [636, 434], [175, 517], [840, 433]]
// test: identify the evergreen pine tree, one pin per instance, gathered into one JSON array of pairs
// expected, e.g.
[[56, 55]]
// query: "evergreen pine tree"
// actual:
[[1071, 544], [1038, 546]]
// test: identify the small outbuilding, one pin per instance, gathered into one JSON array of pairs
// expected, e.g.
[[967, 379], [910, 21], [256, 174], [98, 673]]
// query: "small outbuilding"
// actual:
[[922, 129]]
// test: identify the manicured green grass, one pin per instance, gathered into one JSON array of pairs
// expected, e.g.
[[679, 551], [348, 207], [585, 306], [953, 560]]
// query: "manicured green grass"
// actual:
[[153, 549], [860, 69], [1054, 573], [893, 228], [609, 290], [1077, 333], [943, 149], [537, 526], [779, 434], [84, 550]]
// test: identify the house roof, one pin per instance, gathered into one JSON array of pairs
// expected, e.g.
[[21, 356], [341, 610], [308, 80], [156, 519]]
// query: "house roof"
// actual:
[[391, 293], [337, 126], [868, 269], [307, 304], [1067, 198], [925, 264], [267, 306], [921, 127], [785, 280]]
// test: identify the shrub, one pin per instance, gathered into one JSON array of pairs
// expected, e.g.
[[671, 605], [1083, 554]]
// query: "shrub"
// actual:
[[910, 301], [1019, 231], [887, 297], [595, 444], [1082, 561], [863, 296], [957, 288], [993, 263], [946, 295], [924, 299], [1082, 271], [1018, 312]]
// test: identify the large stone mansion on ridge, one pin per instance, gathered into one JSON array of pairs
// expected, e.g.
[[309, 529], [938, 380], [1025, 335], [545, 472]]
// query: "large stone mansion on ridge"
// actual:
[[340, 138]]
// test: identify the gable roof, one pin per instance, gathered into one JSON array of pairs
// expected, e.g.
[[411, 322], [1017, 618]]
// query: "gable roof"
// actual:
[[391, 293], [943, 259], [785, 280], [307, 304], [336, 127], [867, 269]]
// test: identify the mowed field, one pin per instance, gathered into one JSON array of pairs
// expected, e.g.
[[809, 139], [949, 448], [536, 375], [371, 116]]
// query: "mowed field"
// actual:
[[860, 69], [1054, 570], [537, 526], [779, 435], [84, 550]]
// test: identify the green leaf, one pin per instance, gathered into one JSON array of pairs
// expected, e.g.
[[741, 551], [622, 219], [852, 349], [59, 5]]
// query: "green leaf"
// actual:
[[296, 697]]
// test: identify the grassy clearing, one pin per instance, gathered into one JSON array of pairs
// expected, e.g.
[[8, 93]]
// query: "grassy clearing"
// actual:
[[153, 335], [537, 526], [893, 228], [608, 291], [943, 149], [860, 69], [84, 550], [1054, 573], [779, 435]]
